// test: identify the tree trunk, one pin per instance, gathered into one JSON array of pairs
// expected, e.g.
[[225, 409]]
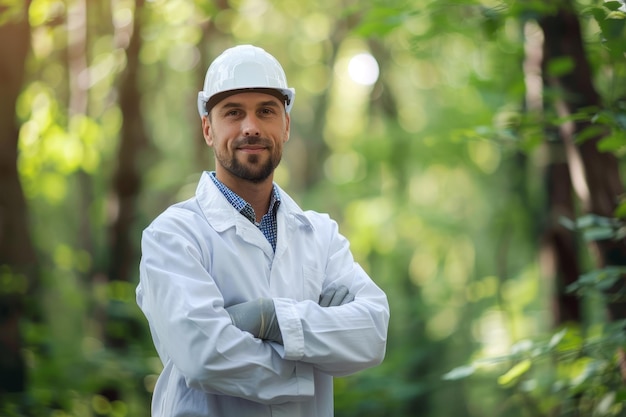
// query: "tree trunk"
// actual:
[[127, 180], [559, 249], [17, 255], [595, 174], [559, 260]]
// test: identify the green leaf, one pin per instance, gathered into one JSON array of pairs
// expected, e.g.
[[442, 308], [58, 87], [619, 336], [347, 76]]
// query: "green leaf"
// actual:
[[593, 227], [513, 374], [620, 211], [591, 220], [616, 14], [600, 279], [556, 339], [613, 142], [593, 234], [590, 132], [522, 346], [569, 224], [380, 21], [613, 5], [459, 373], [605, 404], [621, 395], [560, 66]]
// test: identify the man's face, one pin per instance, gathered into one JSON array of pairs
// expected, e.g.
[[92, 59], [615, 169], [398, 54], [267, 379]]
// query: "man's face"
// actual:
[[247, 132]]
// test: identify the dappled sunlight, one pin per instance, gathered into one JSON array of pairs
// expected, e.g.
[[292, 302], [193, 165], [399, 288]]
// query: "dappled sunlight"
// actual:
[[485, 154], [363, 69], [412, 117], [123, 14], [410, 126], [317, 26], [49, 151], [315, 78], [492, 331], [105, 66], [371, 226], [184, 57], [441, 268], [347, 110], [344, 167], [442, 324], [423, 74], [482, 288], [445, 191], [42, 43]]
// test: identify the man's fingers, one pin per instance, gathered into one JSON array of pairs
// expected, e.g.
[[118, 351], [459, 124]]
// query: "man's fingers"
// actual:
[[326, 297], [335, 296], [347, 299], [339, 295]]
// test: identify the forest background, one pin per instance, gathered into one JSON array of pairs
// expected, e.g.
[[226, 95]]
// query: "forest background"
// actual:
[[470, 150]]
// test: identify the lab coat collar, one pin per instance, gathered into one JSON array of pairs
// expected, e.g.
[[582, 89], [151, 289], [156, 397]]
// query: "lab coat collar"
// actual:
[[222, 215]]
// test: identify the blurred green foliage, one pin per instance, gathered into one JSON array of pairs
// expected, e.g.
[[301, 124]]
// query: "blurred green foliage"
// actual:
[[434, 173]]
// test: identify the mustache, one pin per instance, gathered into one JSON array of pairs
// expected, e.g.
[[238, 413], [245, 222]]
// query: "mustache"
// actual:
[[253, 141]]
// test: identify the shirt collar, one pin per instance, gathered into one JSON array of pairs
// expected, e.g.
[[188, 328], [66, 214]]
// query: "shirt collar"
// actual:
[[241, 205]]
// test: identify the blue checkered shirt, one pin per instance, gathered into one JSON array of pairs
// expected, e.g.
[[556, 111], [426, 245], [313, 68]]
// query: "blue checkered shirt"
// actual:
[[268, 224]]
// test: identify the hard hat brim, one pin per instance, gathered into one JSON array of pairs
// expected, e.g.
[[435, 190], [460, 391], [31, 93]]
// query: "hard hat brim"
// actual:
[[285, 96]]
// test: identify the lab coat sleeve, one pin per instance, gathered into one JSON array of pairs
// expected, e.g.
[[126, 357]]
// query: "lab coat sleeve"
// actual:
[[190, 326], [337, 340]]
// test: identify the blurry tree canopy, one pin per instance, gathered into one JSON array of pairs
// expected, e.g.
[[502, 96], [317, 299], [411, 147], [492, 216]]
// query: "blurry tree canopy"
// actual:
[[471, 151]]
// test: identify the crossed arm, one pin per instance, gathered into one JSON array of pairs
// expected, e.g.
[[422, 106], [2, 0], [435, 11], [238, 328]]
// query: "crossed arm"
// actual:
[[258, 317]]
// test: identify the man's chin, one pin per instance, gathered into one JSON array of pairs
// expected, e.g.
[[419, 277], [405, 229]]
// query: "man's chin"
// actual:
[[255, 175]]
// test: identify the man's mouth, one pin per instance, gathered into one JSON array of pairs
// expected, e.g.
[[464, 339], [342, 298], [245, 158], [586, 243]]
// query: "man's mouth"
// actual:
[[252, 148]]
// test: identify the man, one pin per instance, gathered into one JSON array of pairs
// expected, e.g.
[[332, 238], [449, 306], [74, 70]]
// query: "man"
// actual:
[[254, 305]]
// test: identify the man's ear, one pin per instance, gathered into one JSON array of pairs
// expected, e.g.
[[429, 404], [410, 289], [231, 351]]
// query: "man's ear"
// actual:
[[287, 126], [206, 130]]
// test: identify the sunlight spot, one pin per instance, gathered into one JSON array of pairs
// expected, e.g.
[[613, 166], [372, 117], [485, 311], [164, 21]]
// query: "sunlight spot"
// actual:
[[485, 155], [363, 69], [317, 27], [344, 167], [423, 266], [442, 324], [183, 57], [122, 17], [491, 331]]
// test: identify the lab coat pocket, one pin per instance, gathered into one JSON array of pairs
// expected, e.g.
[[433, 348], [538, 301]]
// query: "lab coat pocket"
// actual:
[[311, 283]]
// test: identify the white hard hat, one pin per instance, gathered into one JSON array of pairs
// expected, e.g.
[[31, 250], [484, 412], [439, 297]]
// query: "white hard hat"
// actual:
[[244, 67]]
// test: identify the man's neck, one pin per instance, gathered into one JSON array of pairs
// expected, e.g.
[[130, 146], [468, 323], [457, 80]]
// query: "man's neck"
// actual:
[[257, 194]]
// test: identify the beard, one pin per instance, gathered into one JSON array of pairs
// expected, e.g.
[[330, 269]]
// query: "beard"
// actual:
[[253, 168]]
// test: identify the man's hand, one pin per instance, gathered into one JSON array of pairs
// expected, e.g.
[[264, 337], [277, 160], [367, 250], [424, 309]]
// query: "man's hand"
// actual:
[[335, 296], [257, 317]]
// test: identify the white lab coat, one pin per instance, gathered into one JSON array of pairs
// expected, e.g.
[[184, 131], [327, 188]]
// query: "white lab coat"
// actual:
[[200, 256]]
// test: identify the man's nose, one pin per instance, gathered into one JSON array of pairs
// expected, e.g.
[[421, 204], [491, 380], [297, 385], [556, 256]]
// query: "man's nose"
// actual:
[[251, 126]]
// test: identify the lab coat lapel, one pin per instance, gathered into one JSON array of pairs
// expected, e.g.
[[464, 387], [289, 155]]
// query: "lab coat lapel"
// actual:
[[290, 218], [218, 212], [253, 235], [221, 215]]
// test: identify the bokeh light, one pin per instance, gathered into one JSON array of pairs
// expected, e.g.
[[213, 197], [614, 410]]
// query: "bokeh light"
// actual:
[[363, 69]]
